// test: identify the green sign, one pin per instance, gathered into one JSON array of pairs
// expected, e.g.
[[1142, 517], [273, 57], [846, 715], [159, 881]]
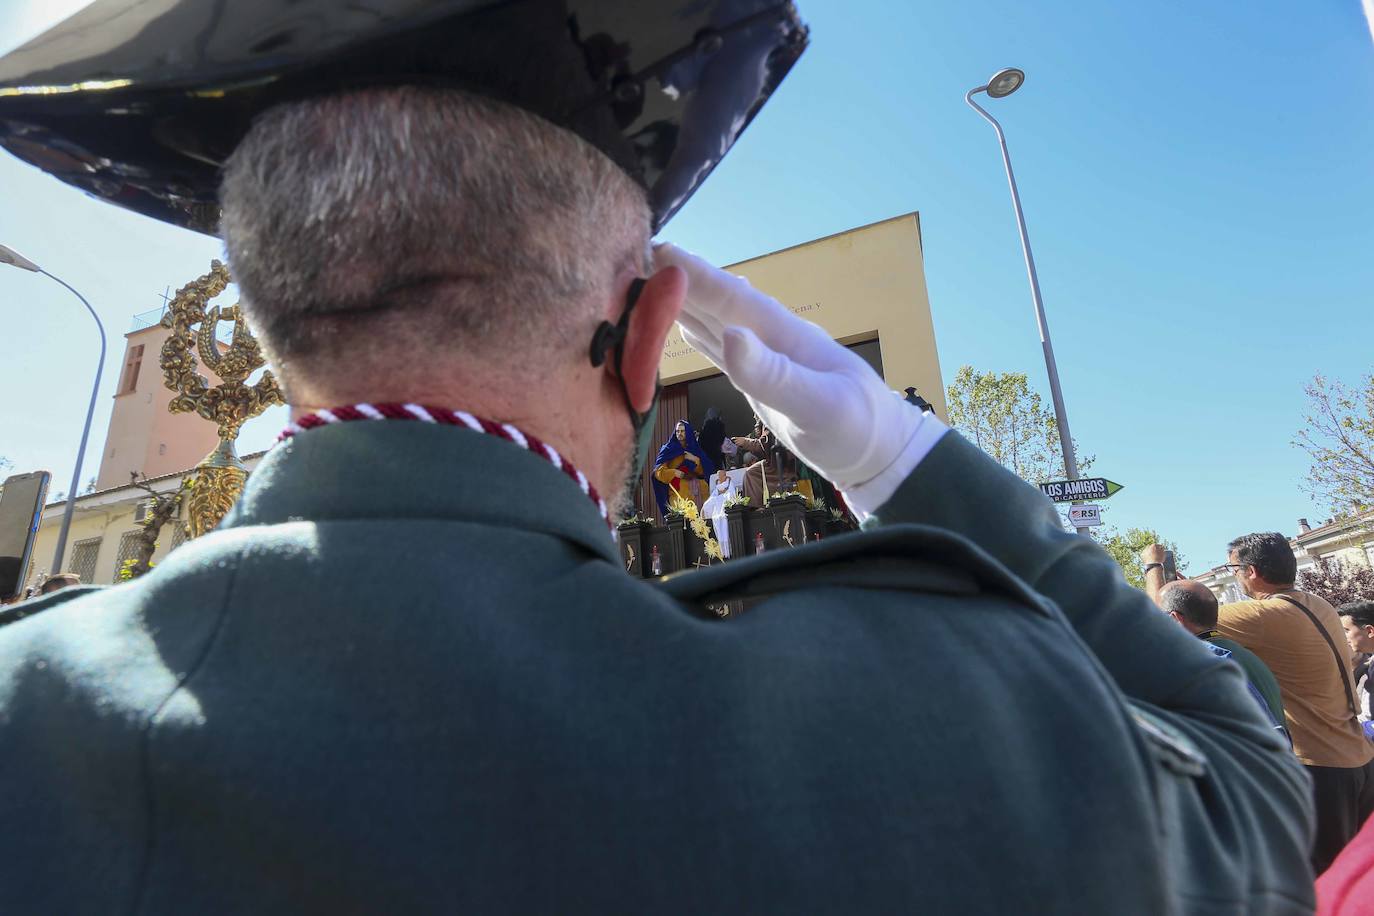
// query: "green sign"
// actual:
[[1087, 488]]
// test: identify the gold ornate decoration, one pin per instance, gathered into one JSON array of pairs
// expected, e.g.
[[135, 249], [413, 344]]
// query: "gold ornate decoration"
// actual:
[[220, 477]]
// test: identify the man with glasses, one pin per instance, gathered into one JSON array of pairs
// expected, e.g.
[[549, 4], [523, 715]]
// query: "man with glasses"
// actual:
[[1299, 636]]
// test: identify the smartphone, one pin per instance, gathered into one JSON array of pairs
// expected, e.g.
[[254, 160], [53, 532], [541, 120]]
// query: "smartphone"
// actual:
[[21, 505], [1170, 570]]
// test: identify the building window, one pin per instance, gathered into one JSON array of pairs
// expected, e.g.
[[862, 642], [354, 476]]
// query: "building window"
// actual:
[[178, 534], [132, 361], [128, 549], [82, 563]]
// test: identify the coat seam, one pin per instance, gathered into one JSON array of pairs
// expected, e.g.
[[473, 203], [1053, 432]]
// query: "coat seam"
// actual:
[[145, 739]]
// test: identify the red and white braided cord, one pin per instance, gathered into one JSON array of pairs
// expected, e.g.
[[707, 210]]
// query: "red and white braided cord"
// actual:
[[425, 413]]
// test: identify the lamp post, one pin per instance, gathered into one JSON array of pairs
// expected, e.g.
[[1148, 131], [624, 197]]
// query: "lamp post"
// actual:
[[1004, 83], [14, 258]]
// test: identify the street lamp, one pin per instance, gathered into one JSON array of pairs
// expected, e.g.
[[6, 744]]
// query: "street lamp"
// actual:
[[1004, 83], [14, 258]]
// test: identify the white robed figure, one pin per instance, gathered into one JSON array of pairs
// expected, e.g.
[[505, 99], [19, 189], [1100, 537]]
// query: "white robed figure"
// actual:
[[722, 488]]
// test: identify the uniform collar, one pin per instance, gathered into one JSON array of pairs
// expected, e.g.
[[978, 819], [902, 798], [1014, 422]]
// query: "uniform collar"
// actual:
[[392, 471]]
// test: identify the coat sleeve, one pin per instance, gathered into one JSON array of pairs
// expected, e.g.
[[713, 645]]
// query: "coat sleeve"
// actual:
[[1256, 795]]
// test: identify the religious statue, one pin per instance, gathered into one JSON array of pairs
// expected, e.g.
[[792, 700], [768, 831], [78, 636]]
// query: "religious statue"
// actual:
[[220, 476], [680, 468]]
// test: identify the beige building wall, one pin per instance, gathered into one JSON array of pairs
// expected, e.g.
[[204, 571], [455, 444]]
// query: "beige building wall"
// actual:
[[858, 285], [143, 436], [108, 522], [107, 515]]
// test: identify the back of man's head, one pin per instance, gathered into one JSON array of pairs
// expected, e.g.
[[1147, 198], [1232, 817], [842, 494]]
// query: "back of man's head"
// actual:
[[414, 230], [1269, 553], [1192, 602], [61, 580]]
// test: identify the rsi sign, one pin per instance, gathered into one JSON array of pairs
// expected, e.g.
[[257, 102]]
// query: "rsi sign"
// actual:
[[1085, 516]]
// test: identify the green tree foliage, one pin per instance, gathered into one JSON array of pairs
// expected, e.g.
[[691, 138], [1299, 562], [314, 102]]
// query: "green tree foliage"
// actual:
[[1125, 550], [1338, 582], [1339, 439], [1002, 415]]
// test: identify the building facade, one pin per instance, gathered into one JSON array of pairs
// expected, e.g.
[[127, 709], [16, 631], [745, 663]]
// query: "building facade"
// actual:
[[104, 526], [143, 437]]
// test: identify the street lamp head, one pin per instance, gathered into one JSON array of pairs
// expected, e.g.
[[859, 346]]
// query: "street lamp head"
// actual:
[[10, 256], [1005, 82]]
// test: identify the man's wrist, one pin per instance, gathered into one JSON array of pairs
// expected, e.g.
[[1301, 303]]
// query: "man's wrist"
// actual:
[[868, 497], [1150, 566]]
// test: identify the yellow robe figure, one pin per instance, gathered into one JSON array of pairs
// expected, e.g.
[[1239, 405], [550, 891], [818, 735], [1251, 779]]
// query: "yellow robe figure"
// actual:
[[681, 468]]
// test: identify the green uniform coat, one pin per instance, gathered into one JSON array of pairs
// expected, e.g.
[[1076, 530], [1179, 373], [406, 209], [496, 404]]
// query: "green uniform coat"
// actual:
[[409, 674]]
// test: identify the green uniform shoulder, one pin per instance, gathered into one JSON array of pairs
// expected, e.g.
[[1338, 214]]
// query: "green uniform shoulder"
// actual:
[[903, 557], [29, 608]]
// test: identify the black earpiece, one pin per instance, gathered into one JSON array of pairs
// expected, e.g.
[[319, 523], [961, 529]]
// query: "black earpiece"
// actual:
[[610, 336], [607, 337]]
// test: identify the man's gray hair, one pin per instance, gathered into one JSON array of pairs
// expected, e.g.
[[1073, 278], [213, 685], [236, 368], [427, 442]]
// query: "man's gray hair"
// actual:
[[426, 216], [1192, 601]]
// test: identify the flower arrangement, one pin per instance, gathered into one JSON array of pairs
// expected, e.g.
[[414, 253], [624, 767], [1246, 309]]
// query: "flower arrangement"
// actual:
[[679, 505], [738, 500]]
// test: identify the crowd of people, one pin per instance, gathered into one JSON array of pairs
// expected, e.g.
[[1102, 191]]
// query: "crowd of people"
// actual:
[[1305, 662]]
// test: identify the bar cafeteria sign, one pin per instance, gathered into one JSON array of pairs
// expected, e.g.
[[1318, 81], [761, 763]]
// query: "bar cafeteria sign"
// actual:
[[1067, 491]]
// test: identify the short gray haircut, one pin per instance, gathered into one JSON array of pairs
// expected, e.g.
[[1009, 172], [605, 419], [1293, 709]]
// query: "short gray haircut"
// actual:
[[1194, 602], [429, 216]]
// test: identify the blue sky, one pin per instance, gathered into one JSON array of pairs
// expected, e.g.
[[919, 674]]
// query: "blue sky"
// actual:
[[1197, 183]]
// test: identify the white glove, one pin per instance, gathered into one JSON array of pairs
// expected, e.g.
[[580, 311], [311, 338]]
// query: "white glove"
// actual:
[[820, 398]]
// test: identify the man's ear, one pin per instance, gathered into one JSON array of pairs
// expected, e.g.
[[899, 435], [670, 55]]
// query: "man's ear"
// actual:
[[658, 306]]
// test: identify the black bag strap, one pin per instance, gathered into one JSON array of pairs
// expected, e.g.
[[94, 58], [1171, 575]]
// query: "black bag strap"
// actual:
[[1340, 665]]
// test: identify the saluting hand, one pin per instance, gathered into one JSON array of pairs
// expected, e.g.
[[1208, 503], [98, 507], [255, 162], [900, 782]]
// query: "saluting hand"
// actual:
[[821, 399]]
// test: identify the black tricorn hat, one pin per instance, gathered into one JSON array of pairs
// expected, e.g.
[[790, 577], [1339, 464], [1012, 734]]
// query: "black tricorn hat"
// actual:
[[141, 101]]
